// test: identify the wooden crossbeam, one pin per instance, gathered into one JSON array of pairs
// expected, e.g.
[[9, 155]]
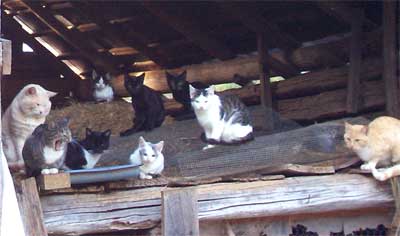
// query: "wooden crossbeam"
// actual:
[[354, 81], [343, 13], [390, 59], [72, 36], [90, 10], [15, 31], [191, 29], [32, 209], [266, 91], [254, 21], [180, 212]]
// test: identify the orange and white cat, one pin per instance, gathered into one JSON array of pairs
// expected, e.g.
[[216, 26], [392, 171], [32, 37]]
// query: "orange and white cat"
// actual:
[[377, 144], [28, 110]]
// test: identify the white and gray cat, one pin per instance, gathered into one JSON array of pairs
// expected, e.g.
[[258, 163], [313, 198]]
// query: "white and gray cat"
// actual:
[[28, 110], [225, 119], [102, 89], [45, 150], [150, 157]]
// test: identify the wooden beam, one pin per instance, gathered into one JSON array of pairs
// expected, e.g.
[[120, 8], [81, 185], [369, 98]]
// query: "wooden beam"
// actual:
[[179, 212], [354, 81], [342, 12], [191, 29], [72, 36], [14, 30], [31, 209], [141, 208], [394, 229], [265, 84], [123, 39], [390, 59], [254, 21]]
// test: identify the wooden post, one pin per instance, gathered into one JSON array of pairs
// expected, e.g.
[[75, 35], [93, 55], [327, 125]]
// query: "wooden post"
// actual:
[[265, 89], [390, 59], [31, 209], [354, 81], [180, 212]]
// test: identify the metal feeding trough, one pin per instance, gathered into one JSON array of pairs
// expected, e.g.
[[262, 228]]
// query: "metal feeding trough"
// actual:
[[103, 174]]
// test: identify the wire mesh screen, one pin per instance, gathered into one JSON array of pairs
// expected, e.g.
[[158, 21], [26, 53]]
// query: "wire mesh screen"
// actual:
[[315, 143]]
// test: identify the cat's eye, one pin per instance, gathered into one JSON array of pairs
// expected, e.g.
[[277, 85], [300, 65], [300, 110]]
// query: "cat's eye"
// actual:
[[37, 104], [153, 155], [357, 140], [144, 154]]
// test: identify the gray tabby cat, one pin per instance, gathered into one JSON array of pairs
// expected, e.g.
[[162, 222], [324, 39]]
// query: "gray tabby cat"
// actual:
[[225, 119], [44, 151]]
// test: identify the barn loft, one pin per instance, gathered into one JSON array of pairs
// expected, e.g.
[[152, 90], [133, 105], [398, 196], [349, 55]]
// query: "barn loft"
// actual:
[[334, 60]]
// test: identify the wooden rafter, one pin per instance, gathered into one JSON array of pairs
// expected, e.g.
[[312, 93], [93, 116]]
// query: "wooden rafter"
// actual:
[[343, 13], [15, 31], [73, 37], [254, 21], [354, 81], [90, 10], [257, 23], [191, 29]]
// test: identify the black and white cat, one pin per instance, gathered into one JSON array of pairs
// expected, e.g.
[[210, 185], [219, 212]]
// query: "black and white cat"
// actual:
[[102, 89], [180, 89], [45, 149], [147, 105], [86, 153], [225, 119], [150, 157]]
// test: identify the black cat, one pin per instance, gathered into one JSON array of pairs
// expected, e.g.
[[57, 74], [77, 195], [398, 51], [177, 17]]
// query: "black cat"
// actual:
[[180, 91], [147, 104], [86, 153]]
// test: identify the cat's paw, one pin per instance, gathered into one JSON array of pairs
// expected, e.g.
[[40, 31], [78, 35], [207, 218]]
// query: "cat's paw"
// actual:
[[145, 176], [45, 171], [53, 171], [366, 166], [380, 175], [208, 146]]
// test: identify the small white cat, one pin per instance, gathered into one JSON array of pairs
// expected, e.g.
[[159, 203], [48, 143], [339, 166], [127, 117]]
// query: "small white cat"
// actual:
[[150, 157], [27, 111], [102, 89]]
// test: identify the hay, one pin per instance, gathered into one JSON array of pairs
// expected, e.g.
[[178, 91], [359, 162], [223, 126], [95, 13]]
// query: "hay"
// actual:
[[116, 115]]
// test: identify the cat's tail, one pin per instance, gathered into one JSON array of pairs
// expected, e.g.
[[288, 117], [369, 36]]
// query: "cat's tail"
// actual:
[[249, 137]]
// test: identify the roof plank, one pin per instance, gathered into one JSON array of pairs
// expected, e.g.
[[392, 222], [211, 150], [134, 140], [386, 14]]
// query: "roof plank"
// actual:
[[91, 11], [191, 29], [72, 37], [253, 20]]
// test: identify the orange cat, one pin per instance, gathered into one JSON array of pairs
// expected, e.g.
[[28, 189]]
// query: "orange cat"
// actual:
[[376, 144], [28, 110]]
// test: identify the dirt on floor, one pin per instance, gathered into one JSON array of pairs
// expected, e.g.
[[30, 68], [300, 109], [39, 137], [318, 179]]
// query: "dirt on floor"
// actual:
[[178, 136]]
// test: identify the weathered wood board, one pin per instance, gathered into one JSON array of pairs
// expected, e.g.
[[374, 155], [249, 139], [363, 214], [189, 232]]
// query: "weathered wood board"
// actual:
[[74, 214]]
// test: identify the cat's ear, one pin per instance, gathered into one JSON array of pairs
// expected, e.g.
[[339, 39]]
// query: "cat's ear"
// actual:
[[31, 91], [168, 75], [347, 126], [142, 142], [107, 77], [52, 125], [88, 132], [364, 129], [94, 74], [192, 91], [65, 121], [141, 78], [50, 94], [210, 90], [107, 133], [182, 76], [159, 146]]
